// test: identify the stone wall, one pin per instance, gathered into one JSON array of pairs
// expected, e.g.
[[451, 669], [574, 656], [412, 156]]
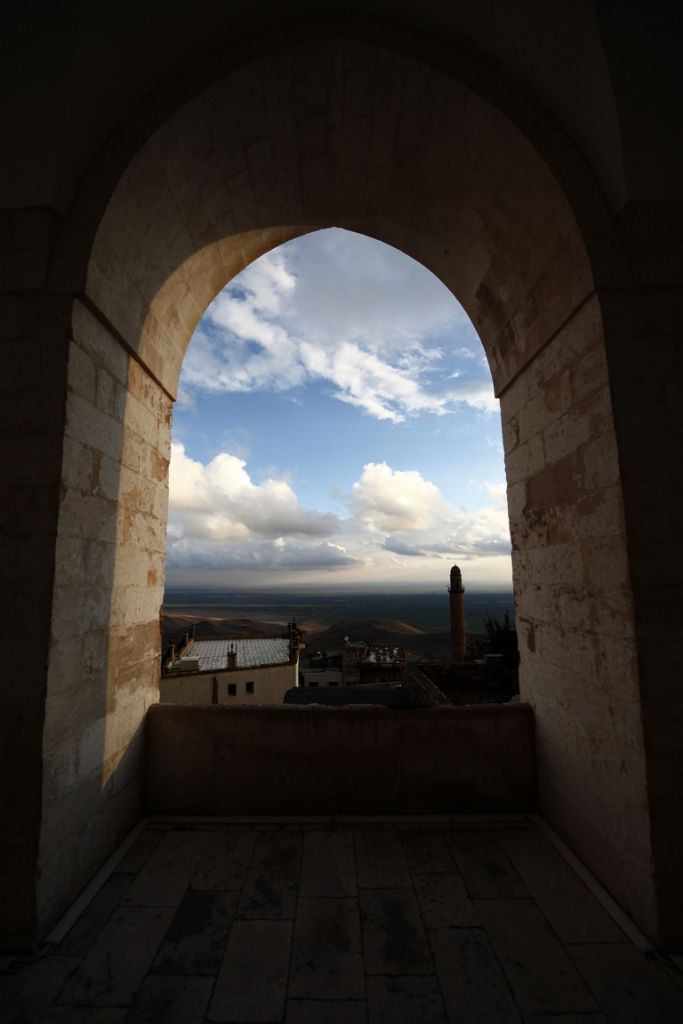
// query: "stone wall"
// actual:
[[575, 617], [34, 331], [356, 760], [104, 656], [271, 682]]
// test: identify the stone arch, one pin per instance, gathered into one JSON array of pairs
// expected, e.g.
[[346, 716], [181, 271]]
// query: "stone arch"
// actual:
[[328, 130]]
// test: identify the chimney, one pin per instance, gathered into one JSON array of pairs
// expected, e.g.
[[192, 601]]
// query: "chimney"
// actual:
[[232, 657]]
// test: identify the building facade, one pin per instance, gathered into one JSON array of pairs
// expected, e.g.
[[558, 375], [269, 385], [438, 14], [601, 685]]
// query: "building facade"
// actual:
[[232, 672]]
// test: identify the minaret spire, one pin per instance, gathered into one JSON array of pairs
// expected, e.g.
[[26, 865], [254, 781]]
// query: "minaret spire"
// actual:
[[457, 595]]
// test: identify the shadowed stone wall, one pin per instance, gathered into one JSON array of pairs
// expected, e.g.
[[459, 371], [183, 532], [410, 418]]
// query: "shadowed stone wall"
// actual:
[[575, 617], [355, 760]]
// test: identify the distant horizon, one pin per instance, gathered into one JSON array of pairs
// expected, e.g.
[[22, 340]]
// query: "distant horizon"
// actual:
[[345, 588]]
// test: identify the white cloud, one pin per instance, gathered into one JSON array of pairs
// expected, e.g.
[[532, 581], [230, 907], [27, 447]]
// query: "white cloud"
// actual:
[[392, 501], [221, 520], [219, 501], [343, 310], [396, 502], [496, 491]]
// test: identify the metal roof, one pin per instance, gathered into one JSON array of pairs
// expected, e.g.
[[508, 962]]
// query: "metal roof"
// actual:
[[212, 655]]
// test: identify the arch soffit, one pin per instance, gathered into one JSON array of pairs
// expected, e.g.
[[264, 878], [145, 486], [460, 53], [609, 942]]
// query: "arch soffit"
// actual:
[[331, 131]]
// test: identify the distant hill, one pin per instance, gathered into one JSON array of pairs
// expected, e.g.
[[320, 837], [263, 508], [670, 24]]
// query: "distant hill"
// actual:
[[384, 633], [418, 622], [318, 612], [207, 629]]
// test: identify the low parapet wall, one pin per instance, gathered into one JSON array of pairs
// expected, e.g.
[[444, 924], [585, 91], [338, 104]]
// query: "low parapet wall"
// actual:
[[353, 760]]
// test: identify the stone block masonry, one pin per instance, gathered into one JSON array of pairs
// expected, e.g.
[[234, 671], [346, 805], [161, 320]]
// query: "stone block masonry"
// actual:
[[343, 921]]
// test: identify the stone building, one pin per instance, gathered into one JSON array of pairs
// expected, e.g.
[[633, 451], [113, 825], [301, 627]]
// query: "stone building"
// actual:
[[232, 672], [527, 154]]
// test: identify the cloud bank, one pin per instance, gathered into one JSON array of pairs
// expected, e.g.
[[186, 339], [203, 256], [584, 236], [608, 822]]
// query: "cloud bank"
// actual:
[[219, 519], [308, 315]]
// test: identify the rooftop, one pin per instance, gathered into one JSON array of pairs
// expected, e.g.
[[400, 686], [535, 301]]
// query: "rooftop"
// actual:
[[437, 919], [212, 655]]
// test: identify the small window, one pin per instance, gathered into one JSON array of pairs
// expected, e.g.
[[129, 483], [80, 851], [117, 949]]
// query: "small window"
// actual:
[[232, 689], [249, 687]]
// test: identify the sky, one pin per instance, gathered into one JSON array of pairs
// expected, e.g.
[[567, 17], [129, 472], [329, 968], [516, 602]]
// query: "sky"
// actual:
[[336, 428]]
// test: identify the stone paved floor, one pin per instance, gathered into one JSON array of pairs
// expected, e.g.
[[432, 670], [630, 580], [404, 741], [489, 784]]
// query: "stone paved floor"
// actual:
[[384, 922]]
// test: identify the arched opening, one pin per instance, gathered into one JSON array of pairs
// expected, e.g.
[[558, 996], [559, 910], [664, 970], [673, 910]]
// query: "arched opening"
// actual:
[[336, 133], [327, 354], [337, 446]]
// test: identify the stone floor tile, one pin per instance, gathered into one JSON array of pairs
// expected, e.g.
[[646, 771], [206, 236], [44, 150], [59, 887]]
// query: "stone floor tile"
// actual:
[[472, 983], [252, 982], [327, 960], [427, 852], [537, 968], [140, 852], [405, 1001], [322, 1011], [672, 967], [26, 995], [329, 865], [444, 901], [270, 890], [83, 934], [166, 875], [565, 1018], [195, 942], [572, 910], [86, 1015], [171, 1000], [628, 987], [113, 970], [484, 866], [225, 860], [380, 860], [394, 940]]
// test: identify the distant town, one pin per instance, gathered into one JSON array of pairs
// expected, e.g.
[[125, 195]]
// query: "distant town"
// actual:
[[399, 650]]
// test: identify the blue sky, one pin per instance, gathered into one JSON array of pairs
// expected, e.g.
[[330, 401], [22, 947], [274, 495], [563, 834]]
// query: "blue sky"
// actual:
[[336, 426]]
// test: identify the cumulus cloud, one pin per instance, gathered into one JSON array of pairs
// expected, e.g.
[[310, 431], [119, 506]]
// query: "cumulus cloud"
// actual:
[[219, 501], [390, 501], [220, 519], [345, 312], [396, 502]]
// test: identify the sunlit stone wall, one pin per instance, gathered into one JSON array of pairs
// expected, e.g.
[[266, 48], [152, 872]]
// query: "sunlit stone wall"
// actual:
[[105, 642]]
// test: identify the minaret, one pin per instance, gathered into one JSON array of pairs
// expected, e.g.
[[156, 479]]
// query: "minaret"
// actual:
[[457, 592]]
